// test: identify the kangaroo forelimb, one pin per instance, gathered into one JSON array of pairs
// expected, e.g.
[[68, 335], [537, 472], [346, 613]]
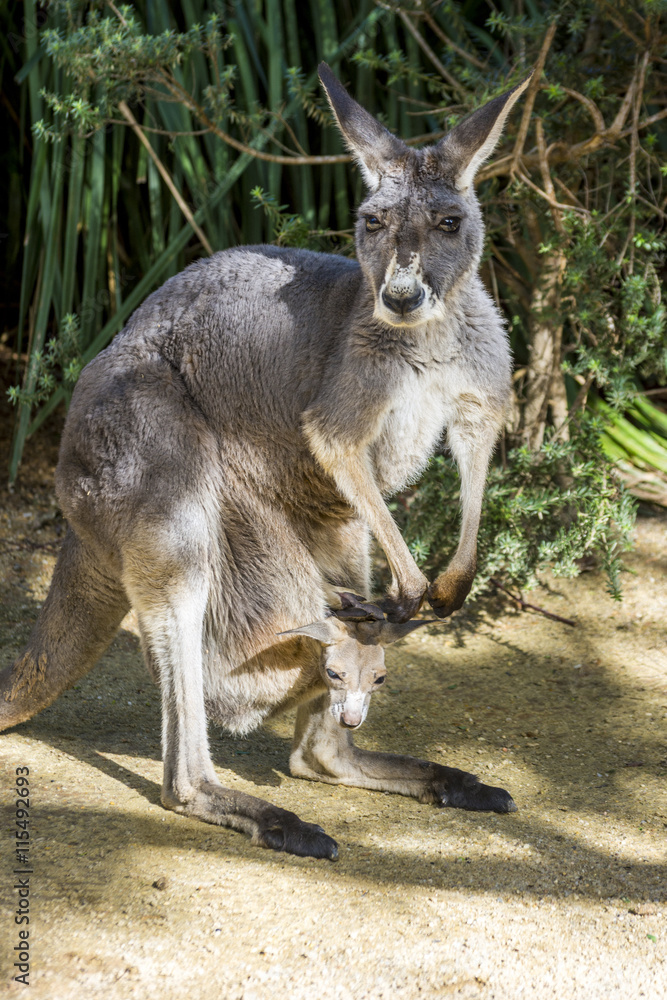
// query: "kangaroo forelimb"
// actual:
[[352, 474]]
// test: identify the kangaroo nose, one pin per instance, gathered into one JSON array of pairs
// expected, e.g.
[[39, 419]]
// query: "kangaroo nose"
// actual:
[[405, 303], [350, 721]]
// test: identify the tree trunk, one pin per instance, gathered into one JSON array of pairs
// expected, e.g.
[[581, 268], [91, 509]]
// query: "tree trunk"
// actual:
[[544, 382]]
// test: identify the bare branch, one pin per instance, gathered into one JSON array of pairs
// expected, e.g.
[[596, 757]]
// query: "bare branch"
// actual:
[[554, 204], [634, 146], [436, 29], [622, 26], [614, 129], [546, 176], [430, 54], [648, 121], [531, 94], [127, 114], [590, 106], [117, 13], [524, 606]]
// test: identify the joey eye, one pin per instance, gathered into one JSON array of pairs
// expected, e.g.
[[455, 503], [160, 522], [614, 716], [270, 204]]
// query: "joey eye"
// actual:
[[332, 674], [450, 224], [373, 224], [379, 680]]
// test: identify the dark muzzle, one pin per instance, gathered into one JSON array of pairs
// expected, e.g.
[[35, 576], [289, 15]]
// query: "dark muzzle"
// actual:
[[405, 304]]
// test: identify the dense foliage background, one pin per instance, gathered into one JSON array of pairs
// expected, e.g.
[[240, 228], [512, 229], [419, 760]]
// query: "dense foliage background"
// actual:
[[144, 136]]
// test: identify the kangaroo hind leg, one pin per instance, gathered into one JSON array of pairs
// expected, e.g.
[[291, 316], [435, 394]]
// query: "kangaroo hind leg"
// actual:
[[168, 581], [80, 616]]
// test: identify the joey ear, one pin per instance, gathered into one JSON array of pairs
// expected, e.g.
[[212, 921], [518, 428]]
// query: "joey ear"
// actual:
[[371, 144], [326, 631], [473, 140], [393, 631]]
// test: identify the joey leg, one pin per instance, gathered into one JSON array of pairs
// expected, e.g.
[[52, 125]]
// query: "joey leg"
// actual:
[[171, 622], [323, 751], [448, 592]]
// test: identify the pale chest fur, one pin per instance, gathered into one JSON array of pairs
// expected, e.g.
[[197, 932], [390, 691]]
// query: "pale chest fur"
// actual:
[[428, 404]]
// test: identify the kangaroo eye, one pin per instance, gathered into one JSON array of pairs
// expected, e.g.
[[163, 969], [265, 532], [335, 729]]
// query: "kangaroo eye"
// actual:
[[332, 674], [379, 680], [449, 225], [373, 224]]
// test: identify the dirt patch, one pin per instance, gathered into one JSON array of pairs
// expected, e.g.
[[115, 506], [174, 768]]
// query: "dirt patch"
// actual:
[[563, 899]]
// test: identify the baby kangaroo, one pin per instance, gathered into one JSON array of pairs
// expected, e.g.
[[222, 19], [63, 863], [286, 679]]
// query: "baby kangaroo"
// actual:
[[224, 459], [352, 666]]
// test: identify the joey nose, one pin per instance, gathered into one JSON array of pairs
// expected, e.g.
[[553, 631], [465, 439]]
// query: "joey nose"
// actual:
[[351, 721], [403, 304]]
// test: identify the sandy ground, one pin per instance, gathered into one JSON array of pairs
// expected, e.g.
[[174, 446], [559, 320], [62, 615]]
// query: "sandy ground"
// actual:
[[563, 899]]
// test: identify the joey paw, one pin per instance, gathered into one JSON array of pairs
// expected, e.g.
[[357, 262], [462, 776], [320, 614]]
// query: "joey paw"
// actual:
[[284, 831]]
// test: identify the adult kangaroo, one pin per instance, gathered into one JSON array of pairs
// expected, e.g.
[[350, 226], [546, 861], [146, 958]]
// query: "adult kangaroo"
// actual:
[[224, 458]]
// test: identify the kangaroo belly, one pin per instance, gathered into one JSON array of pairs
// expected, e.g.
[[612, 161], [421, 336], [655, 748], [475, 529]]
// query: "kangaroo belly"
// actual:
[[240, 697]]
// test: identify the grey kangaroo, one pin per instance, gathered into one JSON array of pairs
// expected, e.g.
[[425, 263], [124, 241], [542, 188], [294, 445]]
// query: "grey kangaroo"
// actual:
[[224, 459]]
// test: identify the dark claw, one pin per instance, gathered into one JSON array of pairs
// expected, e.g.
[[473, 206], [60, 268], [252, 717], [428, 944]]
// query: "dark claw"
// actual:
[[400, 610], [307, 840]]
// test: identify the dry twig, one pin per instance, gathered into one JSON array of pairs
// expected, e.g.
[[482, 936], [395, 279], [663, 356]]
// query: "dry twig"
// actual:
[[525, 606], [164, 173], [531, 94]]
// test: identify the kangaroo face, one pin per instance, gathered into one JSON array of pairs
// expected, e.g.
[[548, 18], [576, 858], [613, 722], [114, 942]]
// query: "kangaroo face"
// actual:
[[420, 228], [352, 672], [415, 239]]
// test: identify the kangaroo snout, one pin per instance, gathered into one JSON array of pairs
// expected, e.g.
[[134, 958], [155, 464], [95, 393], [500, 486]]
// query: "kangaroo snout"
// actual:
[[351, 712], [403, 304]]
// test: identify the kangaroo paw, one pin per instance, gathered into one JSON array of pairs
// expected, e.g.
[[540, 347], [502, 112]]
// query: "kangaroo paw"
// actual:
[[448, 593], [268, 825]]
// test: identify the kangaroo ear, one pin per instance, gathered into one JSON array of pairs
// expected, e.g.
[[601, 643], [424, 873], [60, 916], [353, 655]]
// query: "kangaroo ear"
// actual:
[[372, 146], [327, 631], [392, 631], [473, 140]]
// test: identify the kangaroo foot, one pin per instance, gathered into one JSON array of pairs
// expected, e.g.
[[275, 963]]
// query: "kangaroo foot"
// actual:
[[286, 832], [400, 608], [268, 825], [460, 790]]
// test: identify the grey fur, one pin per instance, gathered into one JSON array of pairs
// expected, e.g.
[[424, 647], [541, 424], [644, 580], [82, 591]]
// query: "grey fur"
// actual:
[[224, 458]]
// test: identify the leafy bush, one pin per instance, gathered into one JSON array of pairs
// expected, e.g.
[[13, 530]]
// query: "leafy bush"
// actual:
[[536, 517]]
